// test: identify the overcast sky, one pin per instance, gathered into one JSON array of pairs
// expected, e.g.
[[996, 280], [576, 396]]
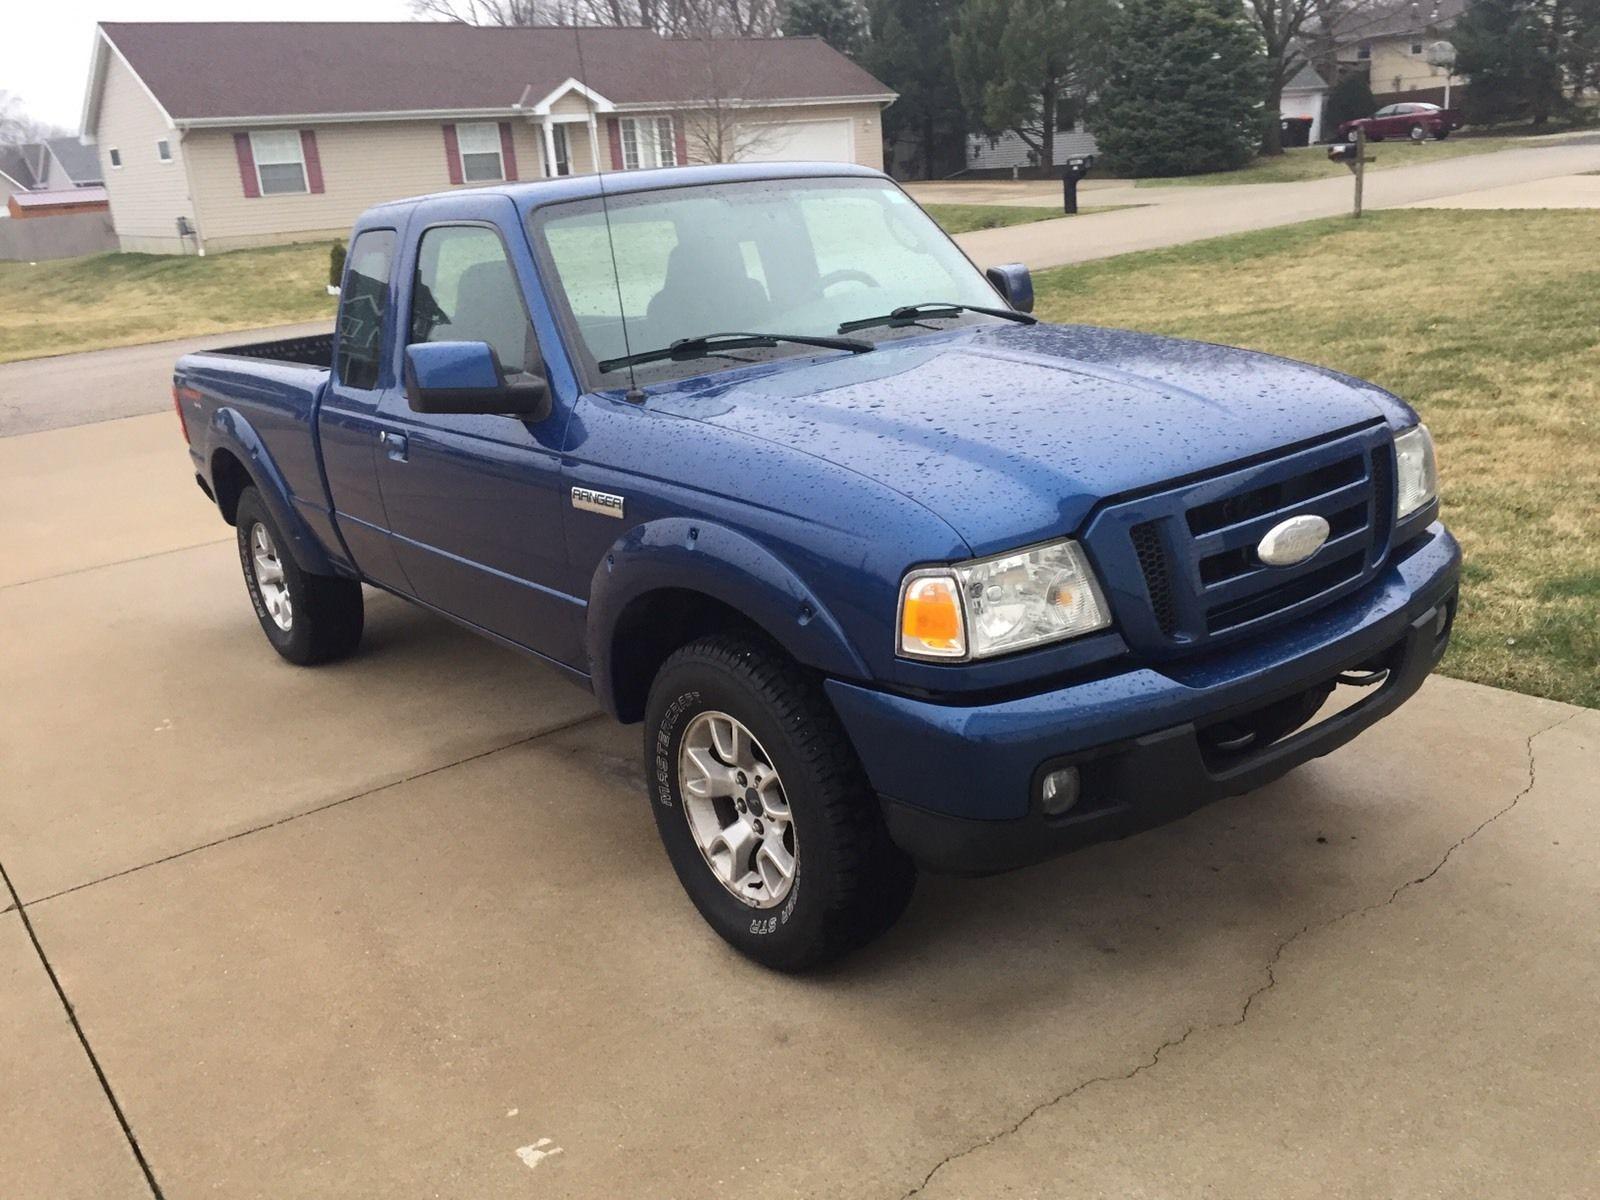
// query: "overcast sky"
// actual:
[[44, 44]]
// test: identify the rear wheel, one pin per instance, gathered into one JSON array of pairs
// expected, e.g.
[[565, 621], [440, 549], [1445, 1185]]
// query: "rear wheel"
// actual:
[[763, 808], [307, 618]]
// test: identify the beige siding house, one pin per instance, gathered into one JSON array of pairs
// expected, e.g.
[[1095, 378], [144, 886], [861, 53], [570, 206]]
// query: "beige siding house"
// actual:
[[218, 135]]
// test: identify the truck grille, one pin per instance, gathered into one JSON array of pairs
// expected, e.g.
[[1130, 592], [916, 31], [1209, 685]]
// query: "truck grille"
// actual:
[[1194, 547]]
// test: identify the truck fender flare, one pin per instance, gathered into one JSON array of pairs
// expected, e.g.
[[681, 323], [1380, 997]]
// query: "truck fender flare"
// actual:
[[231, 431], [680, 554]]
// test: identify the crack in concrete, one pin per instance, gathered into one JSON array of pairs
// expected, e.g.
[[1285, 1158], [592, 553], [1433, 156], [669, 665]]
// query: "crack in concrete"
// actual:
[[116, 562], [83, 1038], [1271, 970], [319, 808]]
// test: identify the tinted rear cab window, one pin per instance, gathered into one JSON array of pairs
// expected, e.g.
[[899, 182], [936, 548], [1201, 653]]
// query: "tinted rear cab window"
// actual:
[[363, 307]]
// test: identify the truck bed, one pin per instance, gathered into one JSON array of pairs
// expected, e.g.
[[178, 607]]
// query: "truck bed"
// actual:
[[313, 351]]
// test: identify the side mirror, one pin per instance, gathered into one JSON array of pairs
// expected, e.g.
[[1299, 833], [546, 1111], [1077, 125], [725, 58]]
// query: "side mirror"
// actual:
[[465, 377], [1014, 283]]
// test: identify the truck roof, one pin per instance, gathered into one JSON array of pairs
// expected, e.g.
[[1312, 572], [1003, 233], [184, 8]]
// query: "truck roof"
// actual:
[[616, 183]]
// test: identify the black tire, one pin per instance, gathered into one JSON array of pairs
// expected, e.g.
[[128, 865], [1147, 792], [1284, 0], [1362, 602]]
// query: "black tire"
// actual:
[[1418, 133], [851, 883], [1440, 134], [325, 612]]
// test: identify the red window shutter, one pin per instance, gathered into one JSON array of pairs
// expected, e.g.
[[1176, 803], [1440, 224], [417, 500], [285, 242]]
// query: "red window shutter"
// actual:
[[308, 149], [681, 139], [508, 152], [247, 165], [452, 153], [614, 133]]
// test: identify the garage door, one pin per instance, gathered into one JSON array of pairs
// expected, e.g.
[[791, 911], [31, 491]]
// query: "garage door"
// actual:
[[802, 141]]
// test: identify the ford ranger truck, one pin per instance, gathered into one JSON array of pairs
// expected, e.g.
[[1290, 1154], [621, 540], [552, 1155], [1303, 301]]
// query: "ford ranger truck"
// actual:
[[893, 574]]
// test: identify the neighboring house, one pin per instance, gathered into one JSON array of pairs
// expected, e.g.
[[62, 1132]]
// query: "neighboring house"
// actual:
[[55, 164], [1389, 42], [1306, 95], [217, 135], [1007, 153]]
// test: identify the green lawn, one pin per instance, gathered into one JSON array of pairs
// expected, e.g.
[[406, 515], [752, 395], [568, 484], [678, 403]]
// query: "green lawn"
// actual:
[[964, 218], [1490, 325], [123, 299], [1311, 162]]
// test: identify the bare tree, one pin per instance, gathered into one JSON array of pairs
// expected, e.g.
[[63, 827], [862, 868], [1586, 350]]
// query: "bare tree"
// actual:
[[720, 81], [1287, 28], [17, 126], [489, 12], [670, 18]]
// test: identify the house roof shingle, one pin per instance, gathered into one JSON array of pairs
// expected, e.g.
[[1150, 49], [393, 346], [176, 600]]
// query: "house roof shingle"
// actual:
[[16, 166], [80, 162], [297, 68]]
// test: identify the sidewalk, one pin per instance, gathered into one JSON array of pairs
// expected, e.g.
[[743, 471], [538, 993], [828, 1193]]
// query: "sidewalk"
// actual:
[[1171, 216]]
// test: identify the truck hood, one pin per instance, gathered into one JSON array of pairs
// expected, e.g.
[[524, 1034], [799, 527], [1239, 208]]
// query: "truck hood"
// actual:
[[1012, 434]]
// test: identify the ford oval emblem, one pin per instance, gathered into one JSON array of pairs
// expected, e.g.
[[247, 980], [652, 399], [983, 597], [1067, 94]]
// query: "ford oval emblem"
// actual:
[[1293, 541]]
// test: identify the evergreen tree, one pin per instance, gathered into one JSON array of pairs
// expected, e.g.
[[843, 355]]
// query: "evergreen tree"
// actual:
[[1349, 99], [1184, 91], [1028, 66], [1511, 53], [837, 22], [909, 49]]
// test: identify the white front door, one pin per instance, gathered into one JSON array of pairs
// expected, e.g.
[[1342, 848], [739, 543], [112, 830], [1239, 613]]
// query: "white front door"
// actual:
[[797, 141]]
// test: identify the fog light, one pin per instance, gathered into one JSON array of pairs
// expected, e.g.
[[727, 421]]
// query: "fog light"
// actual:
[[1059, 792]]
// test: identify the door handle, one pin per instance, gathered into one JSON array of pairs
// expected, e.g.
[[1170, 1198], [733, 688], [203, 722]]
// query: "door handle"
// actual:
[[394, 444]]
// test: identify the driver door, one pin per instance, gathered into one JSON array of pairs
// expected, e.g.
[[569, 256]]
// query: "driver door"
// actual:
[[475, 502]]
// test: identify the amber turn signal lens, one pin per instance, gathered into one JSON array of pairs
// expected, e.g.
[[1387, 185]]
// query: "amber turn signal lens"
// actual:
[[931, 624]]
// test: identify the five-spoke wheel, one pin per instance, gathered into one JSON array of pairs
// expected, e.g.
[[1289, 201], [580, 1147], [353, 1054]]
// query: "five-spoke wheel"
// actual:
[[736, 808]]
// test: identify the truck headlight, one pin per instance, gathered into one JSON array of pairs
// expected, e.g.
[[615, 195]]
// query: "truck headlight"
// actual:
[[997, 605], [1417, 476]]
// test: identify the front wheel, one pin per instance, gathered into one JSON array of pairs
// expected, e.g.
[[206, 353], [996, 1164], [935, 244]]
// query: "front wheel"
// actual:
[[1418, 133], [308, 618], [763, 808]]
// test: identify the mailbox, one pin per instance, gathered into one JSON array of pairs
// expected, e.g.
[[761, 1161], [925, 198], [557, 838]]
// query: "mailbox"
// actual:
[[1078, 165]]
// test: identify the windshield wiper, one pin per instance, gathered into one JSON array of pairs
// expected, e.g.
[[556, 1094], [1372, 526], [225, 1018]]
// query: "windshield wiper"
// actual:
[[688, 349], [910, 314]]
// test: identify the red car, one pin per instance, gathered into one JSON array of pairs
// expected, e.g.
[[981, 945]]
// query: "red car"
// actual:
[[1415, 121]]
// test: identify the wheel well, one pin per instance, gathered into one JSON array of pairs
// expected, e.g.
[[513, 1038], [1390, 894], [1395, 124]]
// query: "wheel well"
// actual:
[[654, 625], [228, 480]]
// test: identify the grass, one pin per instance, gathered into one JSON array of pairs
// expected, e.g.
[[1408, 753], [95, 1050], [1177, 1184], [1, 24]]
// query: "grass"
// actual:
[[965, 218], [124, 299], [1487, 323], [1311, 162]]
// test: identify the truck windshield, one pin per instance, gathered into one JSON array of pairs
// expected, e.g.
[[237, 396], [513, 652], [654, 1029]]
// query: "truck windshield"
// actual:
[[782, 256]]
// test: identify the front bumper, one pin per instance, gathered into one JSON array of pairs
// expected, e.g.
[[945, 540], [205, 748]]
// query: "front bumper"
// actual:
[[957, 783]]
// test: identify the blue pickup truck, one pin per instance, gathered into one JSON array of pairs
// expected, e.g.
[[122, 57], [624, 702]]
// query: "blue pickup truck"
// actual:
[[893, 574]]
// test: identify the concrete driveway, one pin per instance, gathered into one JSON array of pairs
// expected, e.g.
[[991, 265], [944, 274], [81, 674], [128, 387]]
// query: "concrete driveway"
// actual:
[[401, 927], [1169, 216]]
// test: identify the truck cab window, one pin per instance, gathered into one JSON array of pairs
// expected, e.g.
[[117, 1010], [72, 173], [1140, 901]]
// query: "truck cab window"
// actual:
[[363, 304], [466, 291]]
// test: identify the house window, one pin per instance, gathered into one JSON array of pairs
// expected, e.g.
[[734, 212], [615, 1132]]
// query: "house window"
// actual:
[[164, 150], [1416, 47], [480, 152], [648, 142], [280, 161], [1364, 51], [116, 158]]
